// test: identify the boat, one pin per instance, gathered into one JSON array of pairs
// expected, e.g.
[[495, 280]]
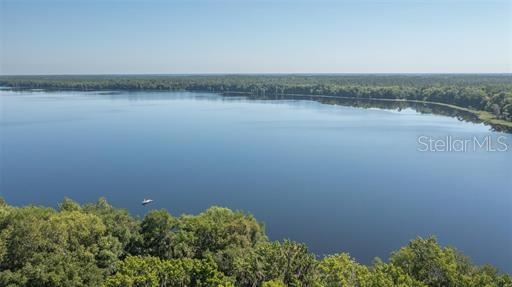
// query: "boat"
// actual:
[[147, 201]]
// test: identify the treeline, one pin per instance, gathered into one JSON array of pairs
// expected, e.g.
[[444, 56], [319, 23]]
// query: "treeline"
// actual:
[[99, 245], [486, 92]]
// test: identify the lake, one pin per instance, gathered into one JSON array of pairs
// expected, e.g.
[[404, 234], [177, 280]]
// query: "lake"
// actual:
[[335, 177]]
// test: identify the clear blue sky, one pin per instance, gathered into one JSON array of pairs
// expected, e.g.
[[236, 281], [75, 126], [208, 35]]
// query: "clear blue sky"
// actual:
[[244, 36]]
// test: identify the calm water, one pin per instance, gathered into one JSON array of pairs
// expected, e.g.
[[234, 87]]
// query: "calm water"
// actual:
[[337, 178]]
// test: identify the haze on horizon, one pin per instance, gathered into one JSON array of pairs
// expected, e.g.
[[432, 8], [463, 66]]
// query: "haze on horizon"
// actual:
[[260, 36]]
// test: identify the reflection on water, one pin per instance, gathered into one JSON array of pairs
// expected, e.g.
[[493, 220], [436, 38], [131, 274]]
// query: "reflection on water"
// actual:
[[423, 108], [397, 105]]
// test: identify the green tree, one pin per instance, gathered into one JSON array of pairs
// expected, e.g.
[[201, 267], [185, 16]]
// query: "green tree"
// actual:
[[426, 261], [342, 270], [45, 248], [156, 230], [288, 262], [152, 271]]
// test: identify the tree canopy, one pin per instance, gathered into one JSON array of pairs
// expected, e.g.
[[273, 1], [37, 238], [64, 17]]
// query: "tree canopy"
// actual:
[[100, 245]]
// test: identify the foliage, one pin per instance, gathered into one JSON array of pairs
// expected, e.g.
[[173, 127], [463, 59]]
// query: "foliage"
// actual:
[[99, 245], [426, 261], [152, 271], [273, 283], [44, 247], [340, 269], [288, 262]]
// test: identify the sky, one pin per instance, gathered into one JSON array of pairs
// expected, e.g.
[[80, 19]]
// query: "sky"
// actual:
[[259, 36]]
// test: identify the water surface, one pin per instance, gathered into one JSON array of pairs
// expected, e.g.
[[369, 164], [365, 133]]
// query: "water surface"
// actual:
[[337, 178]]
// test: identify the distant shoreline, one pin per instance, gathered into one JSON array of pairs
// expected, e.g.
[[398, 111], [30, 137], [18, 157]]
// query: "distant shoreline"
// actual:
[[484, 116], [488, 97]]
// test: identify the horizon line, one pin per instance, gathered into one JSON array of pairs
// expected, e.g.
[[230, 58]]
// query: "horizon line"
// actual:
[[258, 74]]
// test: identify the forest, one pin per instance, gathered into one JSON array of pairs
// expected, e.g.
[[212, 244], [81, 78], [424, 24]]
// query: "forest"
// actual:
[[97, 244], [488, 96]]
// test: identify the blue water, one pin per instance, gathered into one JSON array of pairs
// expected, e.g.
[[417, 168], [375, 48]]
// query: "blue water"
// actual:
[[336, 178]]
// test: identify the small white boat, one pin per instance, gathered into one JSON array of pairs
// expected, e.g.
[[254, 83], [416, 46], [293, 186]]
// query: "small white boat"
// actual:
[[147, 201]]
